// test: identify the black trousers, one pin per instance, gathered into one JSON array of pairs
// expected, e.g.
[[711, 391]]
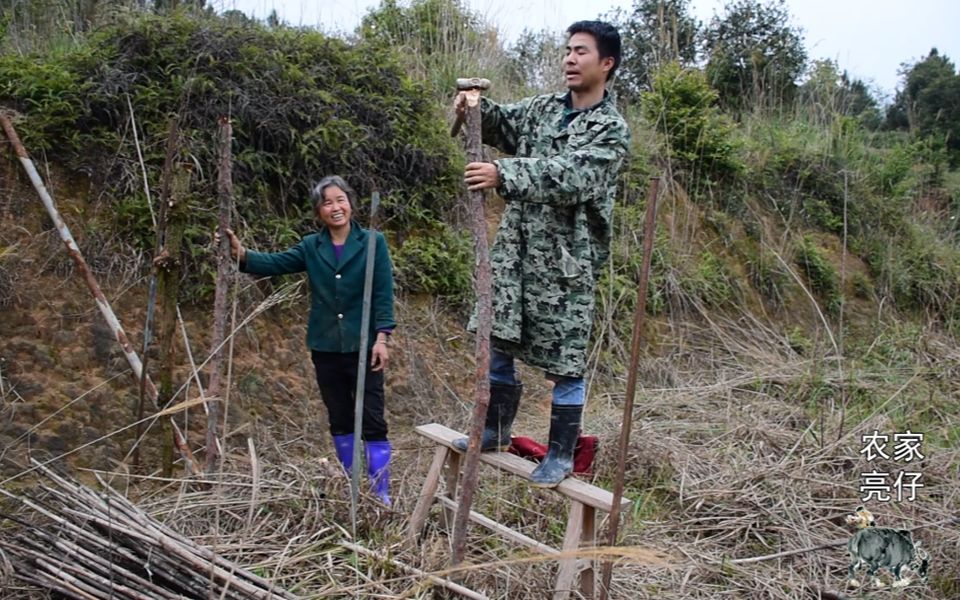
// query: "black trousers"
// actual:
[[337, 379]]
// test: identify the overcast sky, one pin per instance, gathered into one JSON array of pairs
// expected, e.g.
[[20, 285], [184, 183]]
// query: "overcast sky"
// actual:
[[869, 38]]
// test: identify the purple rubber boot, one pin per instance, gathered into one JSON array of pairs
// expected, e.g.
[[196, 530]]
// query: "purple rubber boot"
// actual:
[[343, 444], [378, 461]]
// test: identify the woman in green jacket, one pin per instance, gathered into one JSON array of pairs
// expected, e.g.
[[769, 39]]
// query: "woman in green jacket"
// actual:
[[335, 261]]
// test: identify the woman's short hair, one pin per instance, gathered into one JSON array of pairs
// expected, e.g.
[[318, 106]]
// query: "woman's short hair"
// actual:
[[316, 195]]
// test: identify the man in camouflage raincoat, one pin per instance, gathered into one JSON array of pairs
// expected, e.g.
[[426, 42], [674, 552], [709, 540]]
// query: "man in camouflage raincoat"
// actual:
[[554, 235]]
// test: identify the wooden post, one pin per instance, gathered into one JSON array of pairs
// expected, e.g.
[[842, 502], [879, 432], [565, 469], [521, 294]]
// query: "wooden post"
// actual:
[[571, 542], [225, 193], [173, 139], [365, 317], [588, 539], [168, 285], [484, 325]]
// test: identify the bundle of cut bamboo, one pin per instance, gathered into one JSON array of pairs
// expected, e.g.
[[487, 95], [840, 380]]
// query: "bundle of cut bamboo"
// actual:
[[88, 544]]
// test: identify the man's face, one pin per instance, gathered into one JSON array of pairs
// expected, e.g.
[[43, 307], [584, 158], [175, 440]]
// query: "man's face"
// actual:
[[583, 68]]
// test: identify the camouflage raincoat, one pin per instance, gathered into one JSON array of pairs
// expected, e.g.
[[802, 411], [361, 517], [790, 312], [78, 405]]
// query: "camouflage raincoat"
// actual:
[[554, 235]]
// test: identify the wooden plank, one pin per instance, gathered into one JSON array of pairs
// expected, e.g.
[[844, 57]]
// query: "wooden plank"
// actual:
[[571, 543], [588, 539], [571, 487], [430, 485], [503, 530]]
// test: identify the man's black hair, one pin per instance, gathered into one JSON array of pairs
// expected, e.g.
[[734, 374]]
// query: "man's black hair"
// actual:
[[608, 40]]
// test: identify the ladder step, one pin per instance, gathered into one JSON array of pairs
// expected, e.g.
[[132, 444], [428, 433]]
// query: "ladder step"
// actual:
[[571, 487]]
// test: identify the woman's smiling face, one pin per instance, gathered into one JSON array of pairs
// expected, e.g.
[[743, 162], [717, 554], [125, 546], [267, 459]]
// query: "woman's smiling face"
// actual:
[[334, 210]]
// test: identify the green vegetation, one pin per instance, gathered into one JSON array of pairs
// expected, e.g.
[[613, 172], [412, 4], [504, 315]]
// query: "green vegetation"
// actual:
[[917, 267], [696, 137], [654, 33], [439, 41], [302, 105], [828, 93], [437, 262], [820, 274], [929, 103]]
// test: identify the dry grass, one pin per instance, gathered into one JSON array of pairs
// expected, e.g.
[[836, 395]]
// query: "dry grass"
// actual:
[[728, 461]]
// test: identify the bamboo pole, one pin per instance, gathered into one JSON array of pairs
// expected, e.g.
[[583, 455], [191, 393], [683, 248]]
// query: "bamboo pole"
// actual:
[[225, 192], [639, 317], [362, 365], [91, 282], [482, 281], [143, 166]]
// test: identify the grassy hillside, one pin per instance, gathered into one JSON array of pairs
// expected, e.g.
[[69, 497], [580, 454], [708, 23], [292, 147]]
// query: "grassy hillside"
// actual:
[[803, 294]]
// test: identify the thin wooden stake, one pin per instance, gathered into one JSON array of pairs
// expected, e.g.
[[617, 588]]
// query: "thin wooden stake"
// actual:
[[639, 318], [482, 341], [843, 305]]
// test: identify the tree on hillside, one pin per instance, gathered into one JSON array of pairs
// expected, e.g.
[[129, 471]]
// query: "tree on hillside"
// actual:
[[694, 134], [829, 93], [440, 41], [929, 102], [536, 59], [428, 26], [754, 55], [654, 32]]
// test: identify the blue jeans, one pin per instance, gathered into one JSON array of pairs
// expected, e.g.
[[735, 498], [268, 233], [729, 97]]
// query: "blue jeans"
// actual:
[[568, 391]]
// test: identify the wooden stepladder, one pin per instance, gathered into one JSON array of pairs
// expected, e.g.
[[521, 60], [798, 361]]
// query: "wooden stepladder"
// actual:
[[585, 501]]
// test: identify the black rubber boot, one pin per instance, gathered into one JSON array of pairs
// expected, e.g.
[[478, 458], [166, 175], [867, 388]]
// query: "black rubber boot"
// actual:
[[504, 400], [564, 431]]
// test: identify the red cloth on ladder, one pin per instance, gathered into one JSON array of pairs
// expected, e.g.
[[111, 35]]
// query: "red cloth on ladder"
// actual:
[[583, 453]]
